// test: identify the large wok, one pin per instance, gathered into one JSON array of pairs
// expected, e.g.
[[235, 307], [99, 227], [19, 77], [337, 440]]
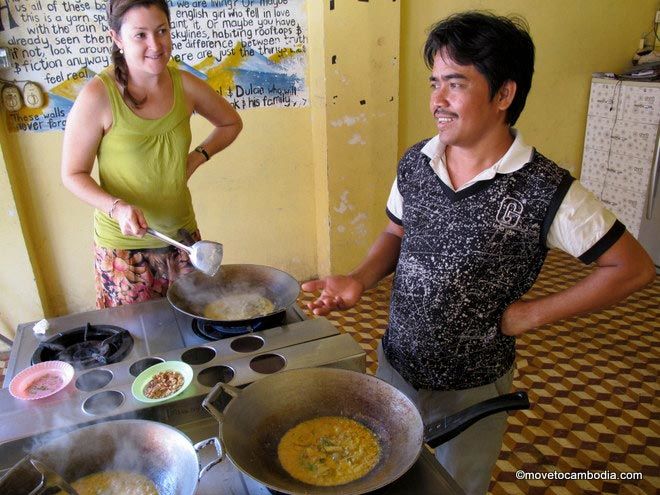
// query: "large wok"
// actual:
[[192, 292], [157, 451], [255, 420]]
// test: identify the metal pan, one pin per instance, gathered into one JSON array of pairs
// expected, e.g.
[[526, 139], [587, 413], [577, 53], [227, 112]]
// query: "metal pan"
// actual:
[[255, 420], [158, 451], [192, 292]]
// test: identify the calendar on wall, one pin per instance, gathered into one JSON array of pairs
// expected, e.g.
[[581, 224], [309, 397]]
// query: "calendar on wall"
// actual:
[[619, 145]]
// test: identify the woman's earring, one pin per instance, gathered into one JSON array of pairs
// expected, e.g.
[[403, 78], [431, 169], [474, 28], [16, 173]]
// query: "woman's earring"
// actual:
[[121, 50]]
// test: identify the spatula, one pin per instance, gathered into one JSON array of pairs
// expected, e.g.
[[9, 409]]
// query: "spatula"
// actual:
[[206, 256]]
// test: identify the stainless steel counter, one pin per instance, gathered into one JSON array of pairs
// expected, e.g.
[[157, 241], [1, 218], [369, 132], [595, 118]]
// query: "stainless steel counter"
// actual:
[[316, 343], [159, 332]]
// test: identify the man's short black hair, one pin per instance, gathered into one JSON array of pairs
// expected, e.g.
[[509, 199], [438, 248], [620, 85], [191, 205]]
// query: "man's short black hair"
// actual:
[[500, 48]]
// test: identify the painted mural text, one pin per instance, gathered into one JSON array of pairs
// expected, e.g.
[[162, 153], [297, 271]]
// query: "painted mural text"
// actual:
[[253, 52]]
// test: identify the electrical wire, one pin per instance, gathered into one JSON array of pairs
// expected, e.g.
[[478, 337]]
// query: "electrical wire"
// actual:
[[616, 93], [654, 30], [14, 81]]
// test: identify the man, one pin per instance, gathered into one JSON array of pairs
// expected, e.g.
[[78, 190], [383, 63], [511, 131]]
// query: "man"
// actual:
[[472, 213]]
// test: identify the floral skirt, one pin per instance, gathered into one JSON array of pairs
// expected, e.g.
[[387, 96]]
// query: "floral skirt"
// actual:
[[136, 275]]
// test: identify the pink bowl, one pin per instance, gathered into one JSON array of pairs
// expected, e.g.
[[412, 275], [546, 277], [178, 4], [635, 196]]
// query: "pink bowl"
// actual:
[[41, 380]]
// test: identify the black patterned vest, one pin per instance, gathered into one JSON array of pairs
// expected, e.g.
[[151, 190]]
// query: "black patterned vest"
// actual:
[[464, 258]]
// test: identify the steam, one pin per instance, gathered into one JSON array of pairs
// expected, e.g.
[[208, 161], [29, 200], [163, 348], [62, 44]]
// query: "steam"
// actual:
[[59, 428], [134, 446], [241, 293]]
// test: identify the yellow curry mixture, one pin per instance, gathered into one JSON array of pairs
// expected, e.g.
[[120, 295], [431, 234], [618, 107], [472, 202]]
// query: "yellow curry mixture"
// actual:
[[114, 483], [328, 451]]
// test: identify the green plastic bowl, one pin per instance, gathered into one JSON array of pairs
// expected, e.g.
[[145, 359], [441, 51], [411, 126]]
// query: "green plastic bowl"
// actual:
[[143, 378]]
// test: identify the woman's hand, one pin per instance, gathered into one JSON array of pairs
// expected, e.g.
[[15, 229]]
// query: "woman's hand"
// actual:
[[130, 219], [337, 292], [195, 159]]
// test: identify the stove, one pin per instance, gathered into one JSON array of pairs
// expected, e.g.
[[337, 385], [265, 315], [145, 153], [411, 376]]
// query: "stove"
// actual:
[[154, 326], [110, 347]]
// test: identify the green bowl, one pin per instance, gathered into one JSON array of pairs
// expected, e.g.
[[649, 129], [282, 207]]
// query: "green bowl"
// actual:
[[143, 378]]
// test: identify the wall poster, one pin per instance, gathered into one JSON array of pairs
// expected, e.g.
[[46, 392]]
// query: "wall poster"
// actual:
[[252, 52]]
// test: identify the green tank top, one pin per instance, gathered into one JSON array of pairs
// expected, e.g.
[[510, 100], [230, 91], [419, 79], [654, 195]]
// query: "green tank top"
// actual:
[[143, 162]]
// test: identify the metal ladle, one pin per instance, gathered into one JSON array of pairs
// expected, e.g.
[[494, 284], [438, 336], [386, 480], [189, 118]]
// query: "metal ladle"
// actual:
[[206, 256]]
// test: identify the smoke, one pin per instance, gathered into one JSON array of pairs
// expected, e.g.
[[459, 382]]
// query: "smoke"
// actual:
[[151, 449], [236, 292]]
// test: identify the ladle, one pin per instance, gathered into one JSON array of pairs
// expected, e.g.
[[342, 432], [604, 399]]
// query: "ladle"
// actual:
[[206, 256]]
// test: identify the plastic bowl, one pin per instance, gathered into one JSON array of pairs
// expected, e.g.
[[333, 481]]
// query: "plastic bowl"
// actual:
[[143, 378], [41, 380]]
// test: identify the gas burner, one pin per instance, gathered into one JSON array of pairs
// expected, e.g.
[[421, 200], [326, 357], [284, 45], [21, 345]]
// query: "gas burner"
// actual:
[[214, 330], [86, 347]]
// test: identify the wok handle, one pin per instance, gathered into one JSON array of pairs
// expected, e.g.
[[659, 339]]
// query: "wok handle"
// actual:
[[218, 450], [213, 395], [51, 478], [444, 430]]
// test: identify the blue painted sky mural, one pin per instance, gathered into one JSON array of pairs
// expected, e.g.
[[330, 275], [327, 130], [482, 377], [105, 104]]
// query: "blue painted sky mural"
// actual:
[[253, 52]]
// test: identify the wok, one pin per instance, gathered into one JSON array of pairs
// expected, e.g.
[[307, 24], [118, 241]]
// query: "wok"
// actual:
[[192, 292], [157, 451], [257, 417]]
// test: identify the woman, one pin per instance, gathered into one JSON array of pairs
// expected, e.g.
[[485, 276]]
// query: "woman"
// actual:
[[134, 118]]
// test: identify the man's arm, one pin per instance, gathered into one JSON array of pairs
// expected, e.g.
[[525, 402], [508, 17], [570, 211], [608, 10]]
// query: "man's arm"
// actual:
[[382, 257], [621, 270], [344, 291]]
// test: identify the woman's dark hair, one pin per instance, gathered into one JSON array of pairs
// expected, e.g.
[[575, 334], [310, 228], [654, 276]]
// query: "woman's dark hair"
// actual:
[[500, 48], [116, 9]]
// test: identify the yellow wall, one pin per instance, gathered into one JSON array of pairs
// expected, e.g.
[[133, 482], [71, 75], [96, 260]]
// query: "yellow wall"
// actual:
[[361, 120], [20, 299], [296, 191], [304, 189], [249, 197], [573, 39]]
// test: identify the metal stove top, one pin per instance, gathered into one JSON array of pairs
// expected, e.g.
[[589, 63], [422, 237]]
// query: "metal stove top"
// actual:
[[162, 333], [156, 327]]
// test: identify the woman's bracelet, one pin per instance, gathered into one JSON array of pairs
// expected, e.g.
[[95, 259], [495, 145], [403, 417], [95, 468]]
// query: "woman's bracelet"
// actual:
[[112, 208], [202, 150]]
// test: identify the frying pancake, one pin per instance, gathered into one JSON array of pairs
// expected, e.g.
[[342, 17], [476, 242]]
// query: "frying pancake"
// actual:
[[238, 307]]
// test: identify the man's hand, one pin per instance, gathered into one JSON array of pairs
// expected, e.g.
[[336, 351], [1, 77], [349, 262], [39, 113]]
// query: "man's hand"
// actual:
[[337, 292], [344, 291], [621, 270], [515, 320]]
